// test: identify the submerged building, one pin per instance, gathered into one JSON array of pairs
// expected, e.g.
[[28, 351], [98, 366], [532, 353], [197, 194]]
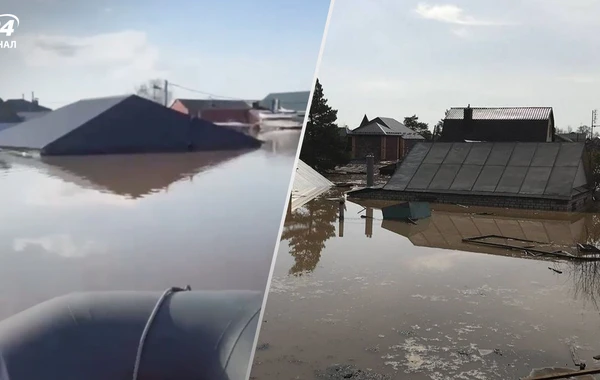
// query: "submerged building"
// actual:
[[122, 124], [544, 176], [385, 138]]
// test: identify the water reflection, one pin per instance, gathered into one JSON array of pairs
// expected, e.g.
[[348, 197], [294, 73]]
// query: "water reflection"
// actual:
[[130, 176], [415, 301], [307, 229], [139, 222]]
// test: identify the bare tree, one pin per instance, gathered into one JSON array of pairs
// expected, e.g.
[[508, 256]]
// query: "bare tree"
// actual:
[[154, 90]]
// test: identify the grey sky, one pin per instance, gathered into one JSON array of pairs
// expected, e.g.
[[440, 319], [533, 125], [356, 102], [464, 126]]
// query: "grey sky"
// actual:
[[399, 58]]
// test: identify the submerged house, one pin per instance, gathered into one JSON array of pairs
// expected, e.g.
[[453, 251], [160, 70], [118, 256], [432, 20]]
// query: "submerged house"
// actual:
[[8, 117], [293, 101], [26, 109], [122, 124], [197, 107], [499, 124], [544, 176], [386, 138]]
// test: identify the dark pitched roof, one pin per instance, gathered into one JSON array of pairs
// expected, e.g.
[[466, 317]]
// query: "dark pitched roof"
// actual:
[[121, 124], [502, 113], [539, 170], [198, 105], [385, 126], [22, 105], [296, 100]]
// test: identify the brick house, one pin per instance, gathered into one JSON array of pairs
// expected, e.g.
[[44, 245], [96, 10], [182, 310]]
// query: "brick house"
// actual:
[[204, 108], [386, 138], [499, 124]]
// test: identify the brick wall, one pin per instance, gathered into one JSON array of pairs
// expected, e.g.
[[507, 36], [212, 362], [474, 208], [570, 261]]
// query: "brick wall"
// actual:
[[364, 145], [579, 203]]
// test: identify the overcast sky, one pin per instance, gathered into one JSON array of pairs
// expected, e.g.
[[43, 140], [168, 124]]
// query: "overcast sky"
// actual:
[[73, 49], [399, 58]]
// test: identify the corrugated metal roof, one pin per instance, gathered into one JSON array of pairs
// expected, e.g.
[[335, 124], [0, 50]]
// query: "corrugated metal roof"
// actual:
[[542, 170], [502, 113], [308, 184]]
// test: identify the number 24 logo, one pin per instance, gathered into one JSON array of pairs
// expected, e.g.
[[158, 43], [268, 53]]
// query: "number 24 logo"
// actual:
[[8, 27]]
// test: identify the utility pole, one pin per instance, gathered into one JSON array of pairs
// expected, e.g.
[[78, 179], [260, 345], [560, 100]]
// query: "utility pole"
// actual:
[[594, 112], [166, 89]]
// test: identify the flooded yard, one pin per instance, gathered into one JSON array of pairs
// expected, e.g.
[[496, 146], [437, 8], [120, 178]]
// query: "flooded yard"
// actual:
[[367, 299], [140, 222]]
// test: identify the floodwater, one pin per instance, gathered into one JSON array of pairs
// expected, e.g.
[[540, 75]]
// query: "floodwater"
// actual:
[[140, 222], [367, 299]]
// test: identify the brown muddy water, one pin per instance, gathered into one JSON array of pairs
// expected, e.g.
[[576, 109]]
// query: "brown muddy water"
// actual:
[[140, 222], [366, 299]]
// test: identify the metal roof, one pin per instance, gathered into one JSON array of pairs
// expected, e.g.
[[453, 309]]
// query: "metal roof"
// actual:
[[122, 124], [503, 113], [308, 184], [198, 105], [22, 105], [296, 100], [540, 170], [386, 126]]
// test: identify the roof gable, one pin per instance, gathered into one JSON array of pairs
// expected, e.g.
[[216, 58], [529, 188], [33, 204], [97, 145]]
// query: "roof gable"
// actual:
[[385, 126], [502, 113]]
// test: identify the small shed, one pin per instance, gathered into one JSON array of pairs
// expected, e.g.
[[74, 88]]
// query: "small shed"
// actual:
[[499, 124], [543, 176], [384, 137], [121, 124]]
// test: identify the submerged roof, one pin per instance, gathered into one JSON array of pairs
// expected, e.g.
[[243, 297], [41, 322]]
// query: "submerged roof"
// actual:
[[502, 113], [296, 100], [308, 184], [121, 124], [7, 114], [541, 170], [385, 126], [22, 105]]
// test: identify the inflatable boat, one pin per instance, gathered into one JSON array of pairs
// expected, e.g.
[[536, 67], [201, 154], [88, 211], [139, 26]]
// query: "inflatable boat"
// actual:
[[178, 334]]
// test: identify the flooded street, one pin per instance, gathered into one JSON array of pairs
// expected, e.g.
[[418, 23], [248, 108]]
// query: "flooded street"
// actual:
[[140, 222], [367, 299]]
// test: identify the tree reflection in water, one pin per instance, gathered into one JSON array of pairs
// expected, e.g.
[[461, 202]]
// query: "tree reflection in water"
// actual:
[[306, 231], [586, 274]]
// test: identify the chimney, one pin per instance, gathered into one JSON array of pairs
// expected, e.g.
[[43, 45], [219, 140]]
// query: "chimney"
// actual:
[[275, 105], [468, 113]]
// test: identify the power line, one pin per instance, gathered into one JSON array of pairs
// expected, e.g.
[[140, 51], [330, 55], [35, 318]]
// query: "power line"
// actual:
[[203, 92]]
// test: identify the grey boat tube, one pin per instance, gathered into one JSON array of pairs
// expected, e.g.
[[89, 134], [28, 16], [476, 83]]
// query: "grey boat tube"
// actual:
[[194, 335]]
